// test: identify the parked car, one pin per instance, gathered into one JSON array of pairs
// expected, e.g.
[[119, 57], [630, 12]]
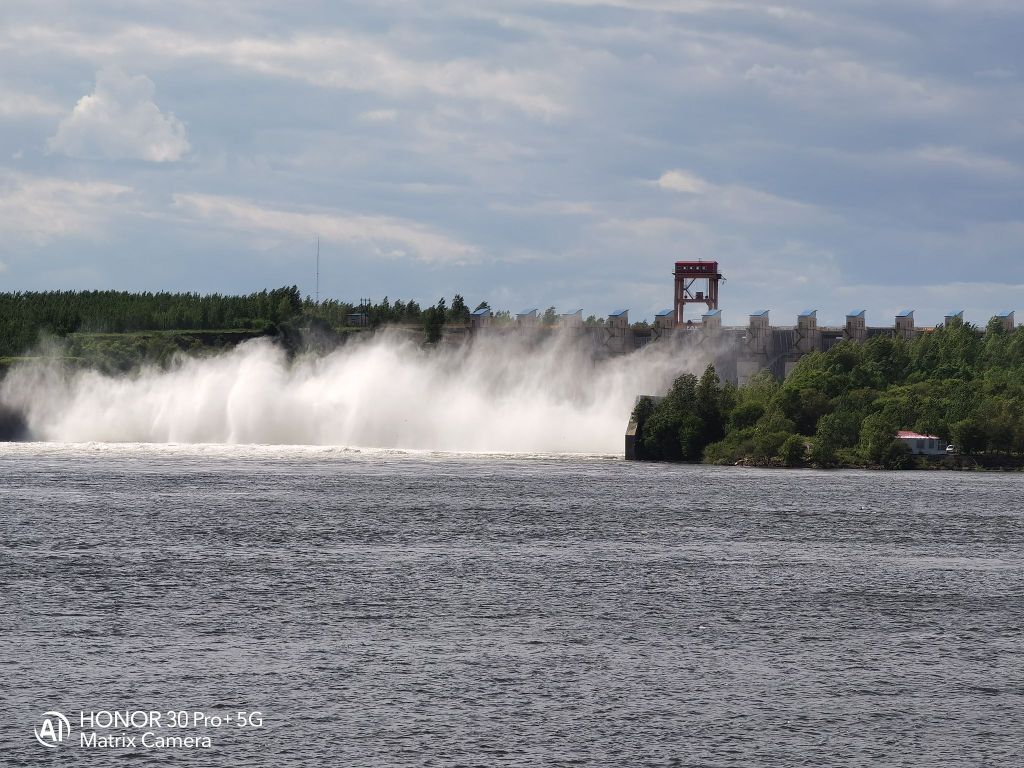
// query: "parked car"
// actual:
[[951, 449]]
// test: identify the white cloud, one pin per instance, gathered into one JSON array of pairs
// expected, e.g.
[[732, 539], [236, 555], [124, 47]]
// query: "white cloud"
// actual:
[[344, 61], [734, 201], [996, 73], [19, 104], [386, 236], [379, 116], [922, 161], [828, 80], [548, 208], [963, 159], [788, 131], [41, 209], [336, 59], [681, 181], [3, 267], [689, 6], [120, 120]]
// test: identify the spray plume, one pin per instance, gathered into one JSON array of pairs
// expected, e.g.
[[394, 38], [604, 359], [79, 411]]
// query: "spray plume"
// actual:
[[502, 393]]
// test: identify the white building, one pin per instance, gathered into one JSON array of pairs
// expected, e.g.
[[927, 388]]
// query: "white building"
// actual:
[[922, 445]]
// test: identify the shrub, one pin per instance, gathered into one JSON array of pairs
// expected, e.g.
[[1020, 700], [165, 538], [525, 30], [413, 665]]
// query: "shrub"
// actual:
[[794, 451]]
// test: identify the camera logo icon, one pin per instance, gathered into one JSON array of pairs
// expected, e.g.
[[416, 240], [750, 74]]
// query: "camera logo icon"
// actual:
[[54, 730]]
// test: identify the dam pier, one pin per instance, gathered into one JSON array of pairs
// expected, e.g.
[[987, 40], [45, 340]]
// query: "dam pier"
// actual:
[[737, 352]]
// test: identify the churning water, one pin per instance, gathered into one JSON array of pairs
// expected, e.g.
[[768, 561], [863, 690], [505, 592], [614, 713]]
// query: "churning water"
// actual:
[[407, 609], [504, 393]]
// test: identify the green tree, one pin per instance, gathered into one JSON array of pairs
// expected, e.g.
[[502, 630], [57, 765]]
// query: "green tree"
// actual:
[[641, 413], [794, 451], [661, 440], [877, 433], [969, 436], [433, 322], [709, 408], [1000, 436], [687, 420], [745, 415], [896, 456], [283, 311], [834, 432], [768, 442], [459, 312]]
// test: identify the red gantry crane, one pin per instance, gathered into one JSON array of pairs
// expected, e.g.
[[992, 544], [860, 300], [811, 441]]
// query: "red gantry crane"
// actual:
[[690, 273]]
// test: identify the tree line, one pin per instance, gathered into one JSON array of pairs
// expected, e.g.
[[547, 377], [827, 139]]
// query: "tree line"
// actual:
[[844, 406], [26, 315]]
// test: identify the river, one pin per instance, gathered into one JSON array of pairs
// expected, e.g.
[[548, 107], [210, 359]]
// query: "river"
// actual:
[[385, 608]]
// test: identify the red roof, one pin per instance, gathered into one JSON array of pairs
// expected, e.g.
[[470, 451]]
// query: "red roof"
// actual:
[[904, 434]]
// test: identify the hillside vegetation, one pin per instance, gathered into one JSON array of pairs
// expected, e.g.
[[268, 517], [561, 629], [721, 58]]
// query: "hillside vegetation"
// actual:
[[844, 406], [154, 325]]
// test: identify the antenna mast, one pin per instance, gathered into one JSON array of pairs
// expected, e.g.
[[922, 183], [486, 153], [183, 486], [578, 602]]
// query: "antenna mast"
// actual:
[[318, 270]]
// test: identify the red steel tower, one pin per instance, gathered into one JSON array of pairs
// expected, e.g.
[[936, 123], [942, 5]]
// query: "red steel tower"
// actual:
[[687, 274]]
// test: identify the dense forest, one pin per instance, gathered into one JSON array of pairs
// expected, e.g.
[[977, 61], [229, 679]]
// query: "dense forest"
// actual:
[[844, 406], [25, 316]]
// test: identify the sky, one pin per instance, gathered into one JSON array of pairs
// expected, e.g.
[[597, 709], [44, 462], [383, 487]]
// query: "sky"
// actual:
[[849, 154]]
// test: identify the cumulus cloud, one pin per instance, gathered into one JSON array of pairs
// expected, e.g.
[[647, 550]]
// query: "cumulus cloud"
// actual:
[[119, 121], [385, 235], [41, 209]]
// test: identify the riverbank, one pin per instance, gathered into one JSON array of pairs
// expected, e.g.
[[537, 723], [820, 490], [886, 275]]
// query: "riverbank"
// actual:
[[982, 463], [846, 406]]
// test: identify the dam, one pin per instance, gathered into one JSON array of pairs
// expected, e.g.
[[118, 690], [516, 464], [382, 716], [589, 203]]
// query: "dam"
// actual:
[[737, 352]]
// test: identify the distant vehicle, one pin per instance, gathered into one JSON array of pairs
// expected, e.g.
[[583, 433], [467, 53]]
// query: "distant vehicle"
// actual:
[[951, 449]]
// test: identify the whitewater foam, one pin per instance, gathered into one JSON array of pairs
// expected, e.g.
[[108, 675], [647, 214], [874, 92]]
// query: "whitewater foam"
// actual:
[[498, 394]]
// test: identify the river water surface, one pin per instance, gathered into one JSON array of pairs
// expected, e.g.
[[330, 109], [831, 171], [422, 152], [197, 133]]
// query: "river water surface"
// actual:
[[394, 609]]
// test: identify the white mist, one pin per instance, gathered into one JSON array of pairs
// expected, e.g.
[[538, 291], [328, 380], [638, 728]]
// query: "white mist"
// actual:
[[501, 393]]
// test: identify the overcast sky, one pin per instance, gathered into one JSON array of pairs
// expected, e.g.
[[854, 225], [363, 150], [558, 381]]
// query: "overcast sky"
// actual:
[[832, 155]]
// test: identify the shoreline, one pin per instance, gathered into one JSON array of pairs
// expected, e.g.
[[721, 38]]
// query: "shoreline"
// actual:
[[972, 464]]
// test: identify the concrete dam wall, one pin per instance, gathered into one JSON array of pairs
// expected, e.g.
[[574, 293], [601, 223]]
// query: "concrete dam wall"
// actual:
[[737, 352]]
